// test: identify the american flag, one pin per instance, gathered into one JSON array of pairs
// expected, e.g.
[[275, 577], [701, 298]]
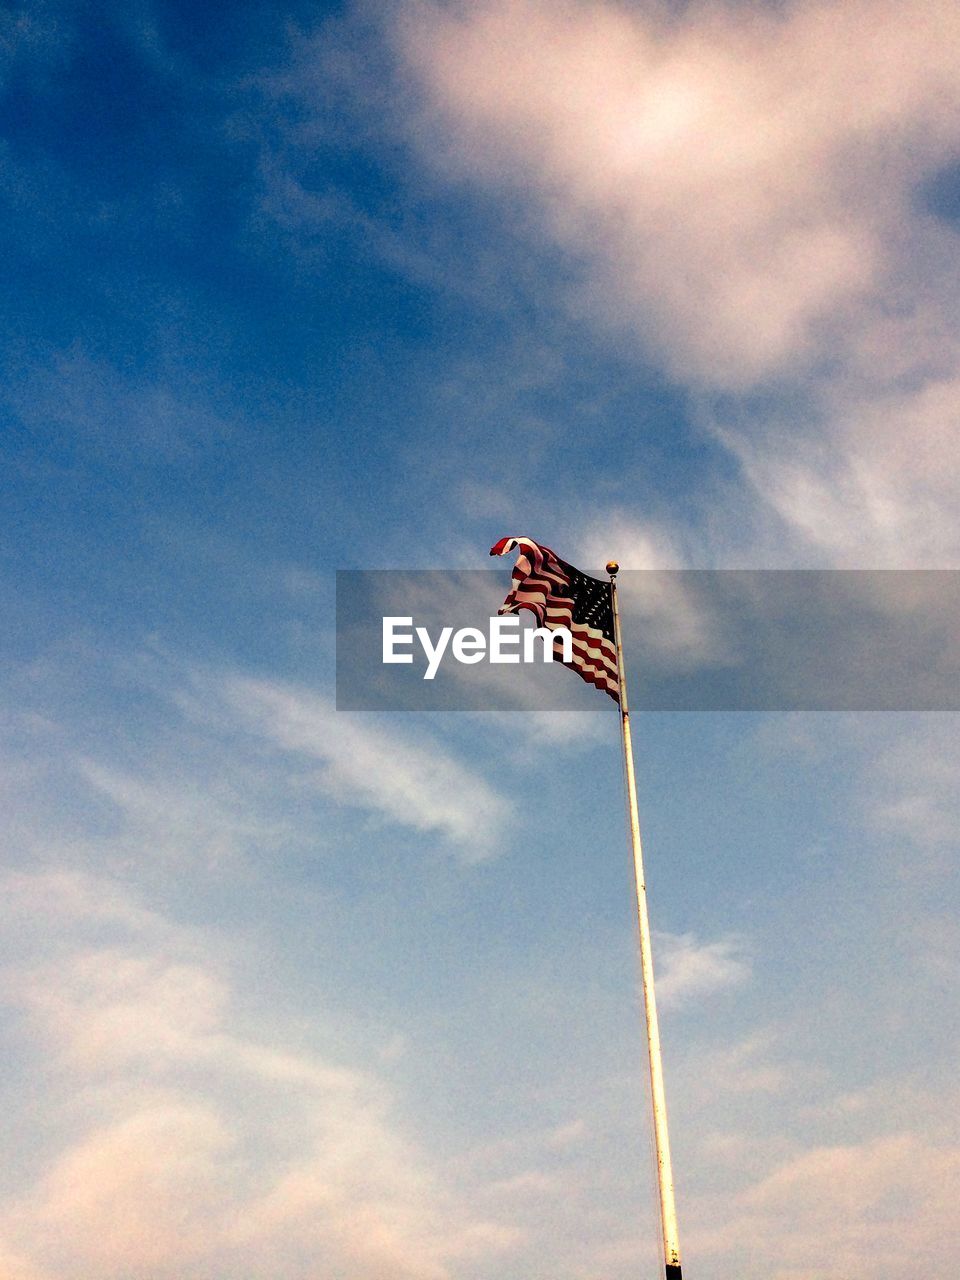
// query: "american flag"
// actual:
[[560, 596]]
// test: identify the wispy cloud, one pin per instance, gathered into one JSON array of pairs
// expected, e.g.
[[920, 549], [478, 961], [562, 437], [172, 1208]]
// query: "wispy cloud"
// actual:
[[35, 37], [373, 766], [755, 1065], [912, 785], [226, 769], [209, 814], [908, 798], [91, 406], [689, 970]]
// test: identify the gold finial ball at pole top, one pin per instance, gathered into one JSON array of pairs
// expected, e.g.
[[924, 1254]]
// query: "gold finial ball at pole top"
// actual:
[[612, 568]]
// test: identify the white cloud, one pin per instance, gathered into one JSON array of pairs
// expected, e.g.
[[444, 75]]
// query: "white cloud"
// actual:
[[176, 1142], [688, 970], [634, 544], [863, 475], [141, 1191], [882, 1207], [409, 781], [754, 1065], [912, 789], [230, 780], [560, 730], [60, 895], [737, 179], [741, 187]]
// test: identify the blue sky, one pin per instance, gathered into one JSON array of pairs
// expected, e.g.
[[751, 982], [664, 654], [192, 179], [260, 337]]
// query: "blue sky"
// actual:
[[291, 288]]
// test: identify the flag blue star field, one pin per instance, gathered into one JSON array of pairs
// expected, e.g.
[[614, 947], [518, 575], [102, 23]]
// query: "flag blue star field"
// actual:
[[558, 595]]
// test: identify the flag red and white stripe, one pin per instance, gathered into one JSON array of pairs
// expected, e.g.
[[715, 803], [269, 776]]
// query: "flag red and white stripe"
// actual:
[[558, 595]]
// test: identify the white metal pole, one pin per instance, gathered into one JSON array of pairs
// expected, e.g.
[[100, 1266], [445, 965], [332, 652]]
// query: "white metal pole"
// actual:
[[668, 1212]]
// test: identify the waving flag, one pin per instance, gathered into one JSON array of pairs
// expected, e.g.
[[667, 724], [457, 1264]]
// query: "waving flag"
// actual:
[[560, 596]]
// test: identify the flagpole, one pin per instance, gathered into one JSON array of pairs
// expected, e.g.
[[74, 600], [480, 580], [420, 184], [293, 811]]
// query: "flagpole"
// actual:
[[668, 1212]]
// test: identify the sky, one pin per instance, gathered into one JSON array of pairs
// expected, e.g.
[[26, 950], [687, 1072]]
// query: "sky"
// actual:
[[291, 288]]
